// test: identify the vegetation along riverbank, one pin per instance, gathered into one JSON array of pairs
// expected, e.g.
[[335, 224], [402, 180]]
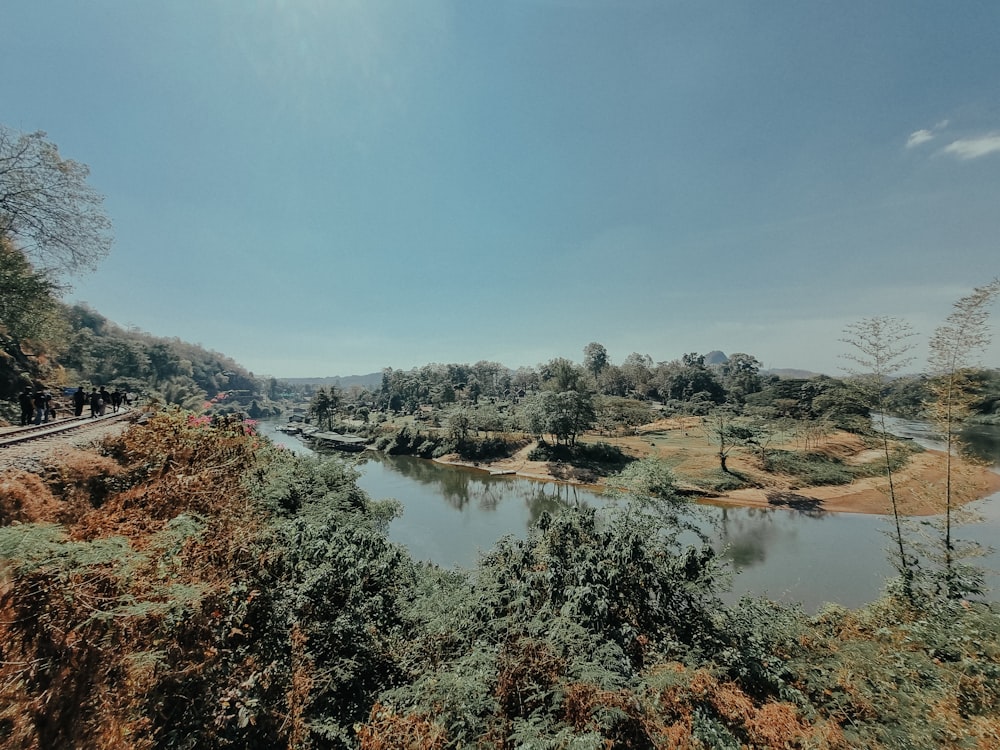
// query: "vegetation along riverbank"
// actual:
[[846, 460], [188, 584]]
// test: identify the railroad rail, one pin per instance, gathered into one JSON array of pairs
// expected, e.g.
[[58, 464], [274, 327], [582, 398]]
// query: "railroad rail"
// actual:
[[21, 435]]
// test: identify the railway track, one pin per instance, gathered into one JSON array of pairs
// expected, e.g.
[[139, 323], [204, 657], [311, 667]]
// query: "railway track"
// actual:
[[21, 435]]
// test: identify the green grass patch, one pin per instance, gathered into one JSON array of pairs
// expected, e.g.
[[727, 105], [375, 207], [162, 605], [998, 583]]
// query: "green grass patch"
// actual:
[[813, 469], [809, 468], [600, 458], [899, 455], [721, 481]]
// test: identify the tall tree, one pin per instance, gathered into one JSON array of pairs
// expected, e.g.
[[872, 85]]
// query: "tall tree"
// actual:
[[321, 407], [954, 348], [560, 374], [595, 358], [563, 414], [719, 429], [741, 375], [880, 348], [47, 207], [637, 369]]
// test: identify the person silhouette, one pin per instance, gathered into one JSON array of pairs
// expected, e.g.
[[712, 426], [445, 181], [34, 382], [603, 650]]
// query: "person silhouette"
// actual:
[[79, 399], [27, 406]]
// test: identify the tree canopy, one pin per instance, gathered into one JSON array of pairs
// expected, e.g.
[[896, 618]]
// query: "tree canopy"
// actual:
[[47, 206]]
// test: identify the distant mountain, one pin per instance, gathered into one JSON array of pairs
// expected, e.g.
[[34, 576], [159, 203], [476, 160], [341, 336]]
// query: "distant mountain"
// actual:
[[717, 358], [371, 380]]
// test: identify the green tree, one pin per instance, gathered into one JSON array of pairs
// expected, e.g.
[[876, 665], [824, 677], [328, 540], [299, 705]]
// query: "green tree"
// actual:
[[719, 427], [647, 478], [637, 371], [616, 412], [595, 358], [954, 348], [460, 422], [560, 374], [183, 392], [29, 308], [564, 415], [741, 375], [322, 407], [47, 207], [689, 380]]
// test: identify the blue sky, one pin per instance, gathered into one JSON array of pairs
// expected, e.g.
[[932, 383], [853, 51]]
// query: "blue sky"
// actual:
[[318, 187]]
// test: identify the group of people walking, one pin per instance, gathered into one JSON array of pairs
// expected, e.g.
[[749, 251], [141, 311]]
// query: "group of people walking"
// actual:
[[38, 407]]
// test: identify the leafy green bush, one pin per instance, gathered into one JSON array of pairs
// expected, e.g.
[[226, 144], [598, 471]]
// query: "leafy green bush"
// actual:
[[249, 598], [600, 458], [899, 453], [575, 609], [809, 468], [482, 449]]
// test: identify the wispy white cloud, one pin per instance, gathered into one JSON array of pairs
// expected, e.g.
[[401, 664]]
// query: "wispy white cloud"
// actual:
[[923, 135], [919, 136], [973, 148]]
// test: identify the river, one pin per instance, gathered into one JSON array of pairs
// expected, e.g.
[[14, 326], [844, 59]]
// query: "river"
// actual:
[[452, 514]]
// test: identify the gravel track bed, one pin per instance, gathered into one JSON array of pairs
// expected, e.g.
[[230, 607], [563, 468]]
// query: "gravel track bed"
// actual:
[[35, 455]]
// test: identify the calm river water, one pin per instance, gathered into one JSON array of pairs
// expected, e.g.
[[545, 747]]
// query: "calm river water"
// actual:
[[450, 515]]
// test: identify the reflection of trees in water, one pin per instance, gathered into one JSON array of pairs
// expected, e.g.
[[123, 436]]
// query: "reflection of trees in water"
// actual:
[[746, 534], [550, 497], [539, 498], [457, 486], [412, 468], [460, 486], [807, 506]]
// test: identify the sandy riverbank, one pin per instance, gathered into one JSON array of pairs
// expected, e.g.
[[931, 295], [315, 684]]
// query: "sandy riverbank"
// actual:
[[683, 445]]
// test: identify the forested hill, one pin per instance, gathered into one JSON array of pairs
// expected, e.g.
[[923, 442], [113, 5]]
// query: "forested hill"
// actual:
[[82, 347], [52, 227]]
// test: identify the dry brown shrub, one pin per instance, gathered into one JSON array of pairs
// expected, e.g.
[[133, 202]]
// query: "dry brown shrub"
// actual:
[[826, 735], [776, 725], [300, 689], [859, 706], [679, 736], [25, 498], [771, 725], [732, 703], [170, 467], [17, 728], [82, 479], [529, 669], [77, 646], [387, 730], [640, 728], [62, 668]]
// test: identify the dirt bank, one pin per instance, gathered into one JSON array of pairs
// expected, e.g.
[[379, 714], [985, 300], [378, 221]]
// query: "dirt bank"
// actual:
[[683, 444]]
